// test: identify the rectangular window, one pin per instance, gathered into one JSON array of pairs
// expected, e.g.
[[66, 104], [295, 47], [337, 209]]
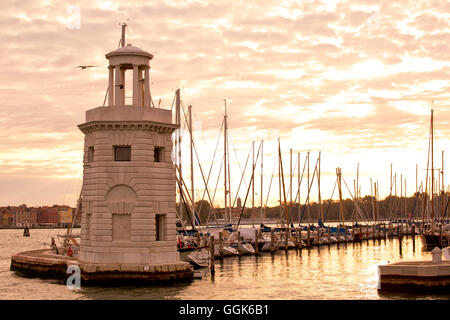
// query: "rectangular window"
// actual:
[[158, 153], [122, 153], [90, 154], [159, 224]]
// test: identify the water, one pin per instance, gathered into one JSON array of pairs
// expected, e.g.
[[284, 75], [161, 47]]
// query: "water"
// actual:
[[320, 273]]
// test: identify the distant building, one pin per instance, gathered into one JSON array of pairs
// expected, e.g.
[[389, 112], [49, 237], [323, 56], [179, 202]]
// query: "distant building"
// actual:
[[64, 216], [239, 203], [48, 216], [20, 215], [6, 217]]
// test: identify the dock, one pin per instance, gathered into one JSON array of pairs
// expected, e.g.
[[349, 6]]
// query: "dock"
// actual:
[[44, 263], [416, 276]]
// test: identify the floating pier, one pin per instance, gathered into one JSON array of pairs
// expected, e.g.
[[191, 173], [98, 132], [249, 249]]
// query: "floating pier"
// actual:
[[416, 276]]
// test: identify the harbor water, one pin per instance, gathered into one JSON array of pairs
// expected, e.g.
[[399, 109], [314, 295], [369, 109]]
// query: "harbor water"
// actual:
[[344, 272]]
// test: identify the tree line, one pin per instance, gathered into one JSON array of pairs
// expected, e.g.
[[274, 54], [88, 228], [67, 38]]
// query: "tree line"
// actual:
[[392, 207]]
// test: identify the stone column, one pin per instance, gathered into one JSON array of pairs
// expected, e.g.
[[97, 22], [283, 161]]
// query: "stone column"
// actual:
[[111, 86], [147, 87], [122, 91], [117, 90], [135, 85], [140, 88]]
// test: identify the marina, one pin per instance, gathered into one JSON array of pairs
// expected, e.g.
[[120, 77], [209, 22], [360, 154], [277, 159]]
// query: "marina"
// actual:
[[222, 166], [319, 273]]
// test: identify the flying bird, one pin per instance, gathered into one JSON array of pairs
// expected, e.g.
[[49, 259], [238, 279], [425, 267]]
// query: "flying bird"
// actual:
[[84, 67]]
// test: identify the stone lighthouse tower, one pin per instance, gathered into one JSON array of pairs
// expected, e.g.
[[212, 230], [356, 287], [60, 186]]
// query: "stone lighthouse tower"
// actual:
[[128, 226]]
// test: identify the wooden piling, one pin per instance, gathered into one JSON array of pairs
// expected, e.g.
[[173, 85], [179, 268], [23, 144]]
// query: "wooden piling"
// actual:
[[256, 242], [286, 239], [308, 238], [272, 240], [345, 234], [197, 237], [239, 243], [221, 245], [211, 255]]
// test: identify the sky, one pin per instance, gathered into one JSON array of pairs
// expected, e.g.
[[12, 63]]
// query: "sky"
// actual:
[[353, 80]]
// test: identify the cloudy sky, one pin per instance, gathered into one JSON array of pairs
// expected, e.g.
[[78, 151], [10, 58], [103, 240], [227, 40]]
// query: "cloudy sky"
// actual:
[[352, 79]]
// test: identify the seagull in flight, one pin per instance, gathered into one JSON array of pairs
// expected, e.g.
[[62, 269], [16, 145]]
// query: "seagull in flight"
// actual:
[[84, 67]]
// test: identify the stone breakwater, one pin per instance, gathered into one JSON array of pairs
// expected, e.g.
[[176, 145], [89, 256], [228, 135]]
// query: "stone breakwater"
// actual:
[[46, 264]]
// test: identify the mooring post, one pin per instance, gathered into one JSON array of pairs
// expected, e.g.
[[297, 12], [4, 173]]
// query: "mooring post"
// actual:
[[272, 245], [256, 242], [197, 237], [211, 255], [345, 234], [239, 243], [287, 239], [367, 233], [308, 237], [221, 244]]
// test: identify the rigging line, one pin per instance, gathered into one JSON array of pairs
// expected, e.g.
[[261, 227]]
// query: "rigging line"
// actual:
[[329, 203], [290, 178], [301, 179], [212, 162], [215, 189], [182, 199], [358, 210], [235, 153], [271, 178], [182, 183], [309, 188], [248, 189], [201, 170], [242, 176]]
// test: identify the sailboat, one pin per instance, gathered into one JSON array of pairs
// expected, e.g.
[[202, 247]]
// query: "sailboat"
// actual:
[[435, 234]]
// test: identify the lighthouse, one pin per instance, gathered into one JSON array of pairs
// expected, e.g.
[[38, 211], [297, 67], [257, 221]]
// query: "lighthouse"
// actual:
[[128, 221]]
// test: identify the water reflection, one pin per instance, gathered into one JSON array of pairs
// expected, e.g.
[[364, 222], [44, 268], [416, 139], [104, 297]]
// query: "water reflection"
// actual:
[[335, 272]]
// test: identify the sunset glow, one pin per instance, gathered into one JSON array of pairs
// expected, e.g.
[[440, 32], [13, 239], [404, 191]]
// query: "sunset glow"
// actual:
[[354, 81]]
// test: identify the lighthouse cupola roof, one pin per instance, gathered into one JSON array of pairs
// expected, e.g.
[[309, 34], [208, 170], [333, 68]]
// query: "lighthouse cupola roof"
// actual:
[[129, 50]]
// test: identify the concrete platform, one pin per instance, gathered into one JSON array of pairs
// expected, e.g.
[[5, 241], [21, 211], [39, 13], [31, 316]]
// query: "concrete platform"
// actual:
[[415, 276], [46, 264]]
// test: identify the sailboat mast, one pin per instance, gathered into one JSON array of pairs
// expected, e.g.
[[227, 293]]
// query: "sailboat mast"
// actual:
[[225, 159], [443, 187], [192, 162], [178, 149], [341, 208], [253, 183], [308, 191], [290, 183], [299, 181], [373, 198], [262, 176], [432, 167], [318, 187]]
